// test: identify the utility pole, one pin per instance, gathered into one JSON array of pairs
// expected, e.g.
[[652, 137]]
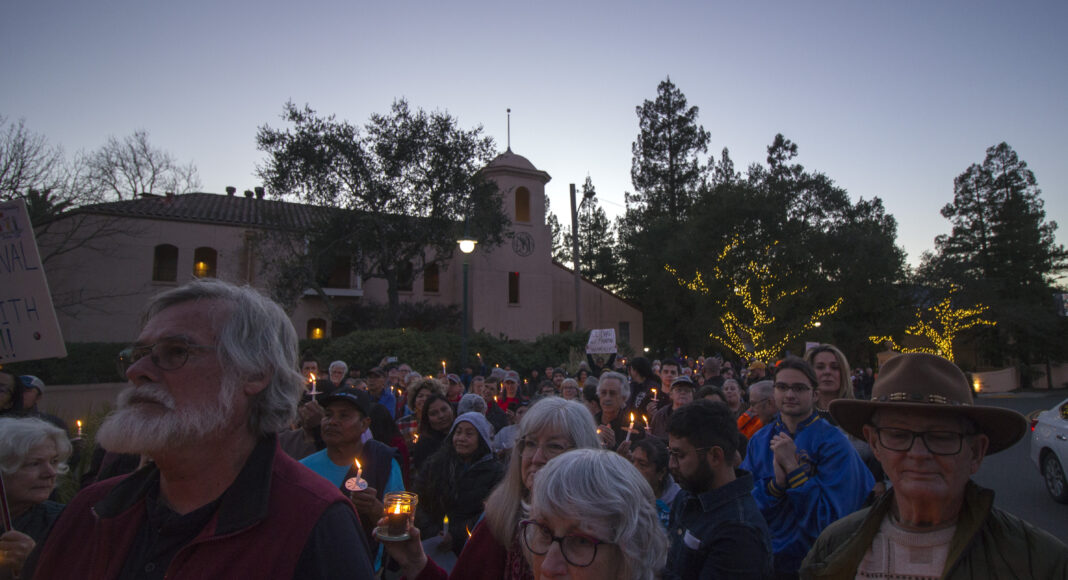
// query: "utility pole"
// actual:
[[575, 260]]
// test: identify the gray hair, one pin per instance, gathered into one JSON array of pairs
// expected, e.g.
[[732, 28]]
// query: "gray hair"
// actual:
[[624, 384], [339, 364], [763, 388], [599, 488], [256, 340], [18, 435], [548, 415], [569, 382], [471, 402]]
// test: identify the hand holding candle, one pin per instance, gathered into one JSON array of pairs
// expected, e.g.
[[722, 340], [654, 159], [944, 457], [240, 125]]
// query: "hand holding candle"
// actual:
[[400, 510]]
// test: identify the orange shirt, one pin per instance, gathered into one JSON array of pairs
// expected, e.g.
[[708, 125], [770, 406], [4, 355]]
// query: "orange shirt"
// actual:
[[749, 424]]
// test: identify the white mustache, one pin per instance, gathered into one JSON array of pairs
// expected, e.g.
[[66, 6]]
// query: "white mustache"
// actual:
[[147, 393]]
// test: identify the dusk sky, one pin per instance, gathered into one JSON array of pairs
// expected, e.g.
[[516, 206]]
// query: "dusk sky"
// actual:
[[889, 99]]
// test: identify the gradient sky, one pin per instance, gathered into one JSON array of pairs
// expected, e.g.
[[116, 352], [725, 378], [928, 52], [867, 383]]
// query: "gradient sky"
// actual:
[[889, 99]]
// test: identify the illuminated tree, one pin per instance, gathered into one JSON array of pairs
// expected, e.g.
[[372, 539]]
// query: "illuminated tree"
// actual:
[[760, 316], [941, 324]]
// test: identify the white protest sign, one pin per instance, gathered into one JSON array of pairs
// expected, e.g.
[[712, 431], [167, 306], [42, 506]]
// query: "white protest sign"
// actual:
[[602, 341], [28, 326]]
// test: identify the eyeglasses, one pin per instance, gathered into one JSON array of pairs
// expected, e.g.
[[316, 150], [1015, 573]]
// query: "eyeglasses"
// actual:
[[578, 549], [797, 388], [549, 450], [937, 442], [679, 456], [168, 355]]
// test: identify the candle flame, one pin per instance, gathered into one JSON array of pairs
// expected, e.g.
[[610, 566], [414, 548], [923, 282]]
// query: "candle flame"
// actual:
[[645, 419], [311, 377], [632, 417], [446, 522], [358, 466], [396, 508], [468, 531], [79, 422]]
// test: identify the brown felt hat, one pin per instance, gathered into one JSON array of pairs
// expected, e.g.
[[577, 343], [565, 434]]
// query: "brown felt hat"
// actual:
[[920, 381]]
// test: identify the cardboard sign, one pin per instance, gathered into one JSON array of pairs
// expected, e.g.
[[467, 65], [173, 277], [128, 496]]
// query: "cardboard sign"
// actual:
[[602, 341], [28, 326]]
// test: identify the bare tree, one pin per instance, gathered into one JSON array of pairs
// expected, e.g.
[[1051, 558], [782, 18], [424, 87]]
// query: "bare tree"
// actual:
[[27, 161], [121, 169]]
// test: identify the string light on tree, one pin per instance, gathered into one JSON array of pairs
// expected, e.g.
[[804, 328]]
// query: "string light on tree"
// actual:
[[941, 324], [749, 325]]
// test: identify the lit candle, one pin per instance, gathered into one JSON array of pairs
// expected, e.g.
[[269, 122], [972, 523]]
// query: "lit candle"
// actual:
[[445, 525], [443, 371], [654, 395], [468, 531], [631, 428], [359, 469], [313, 392], [357, 483], [79, 422], [397, 521]]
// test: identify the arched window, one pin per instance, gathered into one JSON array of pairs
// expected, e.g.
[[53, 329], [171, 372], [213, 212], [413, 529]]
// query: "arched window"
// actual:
[[316, 328], [165, 263], [204, 262], [522, 204]]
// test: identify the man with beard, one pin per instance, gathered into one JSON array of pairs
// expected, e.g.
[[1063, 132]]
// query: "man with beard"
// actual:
[[716, 529], [213, 377]]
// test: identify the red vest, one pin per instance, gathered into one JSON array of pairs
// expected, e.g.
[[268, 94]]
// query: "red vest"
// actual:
[[259, 530]]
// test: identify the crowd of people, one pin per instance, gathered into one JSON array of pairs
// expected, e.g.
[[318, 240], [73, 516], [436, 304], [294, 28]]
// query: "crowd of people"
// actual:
[[229, 454]]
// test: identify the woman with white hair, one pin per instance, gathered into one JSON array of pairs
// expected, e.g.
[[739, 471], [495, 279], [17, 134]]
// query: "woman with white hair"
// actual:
[[32, 455], [552, 427], [600, 513]]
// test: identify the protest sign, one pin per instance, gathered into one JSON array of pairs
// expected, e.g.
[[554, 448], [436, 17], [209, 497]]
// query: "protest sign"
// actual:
[[28, 326], [602, 341]]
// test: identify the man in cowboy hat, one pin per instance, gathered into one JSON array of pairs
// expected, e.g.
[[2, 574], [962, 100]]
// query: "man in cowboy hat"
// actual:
[[934, 522]]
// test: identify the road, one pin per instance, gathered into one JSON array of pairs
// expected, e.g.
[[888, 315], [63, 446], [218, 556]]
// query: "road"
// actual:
[[1014, 478]]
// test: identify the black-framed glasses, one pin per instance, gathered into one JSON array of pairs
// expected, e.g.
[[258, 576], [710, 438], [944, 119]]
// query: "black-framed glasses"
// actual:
[[797, 388], [578, 549], [550, 449], [937, 442], [168, 355]]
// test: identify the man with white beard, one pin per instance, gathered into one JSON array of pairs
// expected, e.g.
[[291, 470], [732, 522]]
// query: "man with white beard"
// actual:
[[213, 378]]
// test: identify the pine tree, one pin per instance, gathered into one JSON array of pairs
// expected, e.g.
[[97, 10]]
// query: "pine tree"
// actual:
[[666, 170], [560, 250], [596, 240], [1002, 252]]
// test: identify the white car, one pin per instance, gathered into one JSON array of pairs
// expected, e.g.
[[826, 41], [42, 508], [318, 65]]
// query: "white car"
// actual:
[[1049, 448]]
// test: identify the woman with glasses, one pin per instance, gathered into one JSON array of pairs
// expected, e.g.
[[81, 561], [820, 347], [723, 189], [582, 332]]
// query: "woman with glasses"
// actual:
[[32, 455], [593, 516], [550, 428]]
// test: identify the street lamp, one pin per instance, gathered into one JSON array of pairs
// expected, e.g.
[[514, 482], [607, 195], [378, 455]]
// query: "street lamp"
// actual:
[[467, 246]]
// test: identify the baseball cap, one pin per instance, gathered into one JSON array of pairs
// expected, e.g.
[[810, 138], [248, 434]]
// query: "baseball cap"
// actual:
[[357, 397]]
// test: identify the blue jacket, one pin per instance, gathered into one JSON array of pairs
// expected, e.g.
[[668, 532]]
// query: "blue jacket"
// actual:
[[832, 482], [719, 534]]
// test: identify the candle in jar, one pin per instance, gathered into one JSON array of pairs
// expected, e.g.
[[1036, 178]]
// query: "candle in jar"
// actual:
[[397, 521]]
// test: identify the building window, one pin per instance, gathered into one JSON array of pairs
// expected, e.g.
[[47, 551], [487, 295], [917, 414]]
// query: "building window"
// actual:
[[430, 278], [341, 273], [204, 262], [513, 287], [566, 325], [624, 332], [316, 328], [165, 264], [522, 204], [405, 276]]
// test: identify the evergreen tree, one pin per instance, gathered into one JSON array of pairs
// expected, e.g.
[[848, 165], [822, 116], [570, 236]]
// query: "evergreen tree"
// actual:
[[666, 170], [561, 251], [596, 240], [1002, 252]]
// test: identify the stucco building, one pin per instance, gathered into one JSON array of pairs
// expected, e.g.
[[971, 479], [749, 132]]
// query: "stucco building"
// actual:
[[116, 255]]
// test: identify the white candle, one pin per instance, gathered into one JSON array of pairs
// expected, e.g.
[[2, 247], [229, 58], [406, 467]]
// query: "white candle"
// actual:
[[631, 428]]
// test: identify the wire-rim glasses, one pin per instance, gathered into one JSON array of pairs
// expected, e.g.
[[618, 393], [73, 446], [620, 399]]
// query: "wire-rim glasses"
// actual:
[[168, 355], [937, 442], [578, 549]]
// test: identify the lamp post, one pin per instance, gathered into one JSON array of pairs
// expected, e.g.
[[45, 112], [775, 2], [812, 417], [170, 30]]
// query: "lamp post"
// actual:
[[467, 246]]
